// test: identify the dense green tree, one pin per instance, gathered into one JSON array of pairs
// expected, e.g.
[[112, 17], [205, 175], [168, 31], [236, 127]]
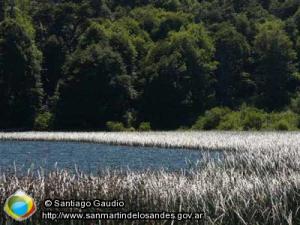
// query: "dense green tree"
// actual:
[[138, 38], [95, 90], [20, 86], [275, 65], [256, 12], [284, 9], [54, 58], [171, 22], [59, 27], [101, 8], [122, 42], [214, 11], [148, 17], [158, 23], [129, 61], [179, 78], [244, 26], [125, 37], [234, 84]]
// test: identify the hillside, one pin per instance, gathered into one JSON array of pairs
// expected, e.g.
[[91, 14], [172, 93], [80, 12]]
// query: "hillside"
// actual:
[[142, 64]]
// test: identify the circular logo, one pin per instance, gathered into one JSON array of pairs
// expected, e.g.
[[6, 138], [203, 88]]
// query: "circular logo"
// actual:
[[20, 206]]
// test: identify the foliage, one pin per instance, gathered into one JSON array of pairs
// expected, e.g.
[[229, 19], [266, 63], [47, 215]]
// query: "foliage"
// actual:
[[43, 121], [211, 119], [234, 84], [275, 65], [295, 104], [252, 119], [179, 78], [231, 121], [145, 126], [115, 126], [247, 118], [285, 121], [20, 85], [97, 88], [162, 61]]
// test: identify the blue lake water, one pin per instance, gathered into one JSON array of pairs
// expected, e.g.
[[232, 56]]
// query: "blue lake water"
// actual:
[[94, 157]]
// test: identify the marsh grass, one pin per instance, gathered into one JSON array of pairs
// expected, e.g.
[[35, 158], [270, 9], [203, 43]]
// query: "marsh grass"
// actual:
[[258, 183], [179, 139]]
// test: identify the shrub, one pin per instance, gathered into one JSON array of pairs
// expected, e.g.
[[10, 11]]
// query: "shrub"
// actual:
[[283, 121], [211, 119], [43, 121], [130, 129], [231, 121], [145, 126], [295, 104], [115, 126], [282, 125], [248, 118], [252, 118]]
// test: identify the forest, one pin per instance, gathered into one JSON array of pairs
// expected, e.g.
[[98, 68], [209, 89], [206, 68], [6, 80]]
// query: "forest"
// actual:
[[149, 64]]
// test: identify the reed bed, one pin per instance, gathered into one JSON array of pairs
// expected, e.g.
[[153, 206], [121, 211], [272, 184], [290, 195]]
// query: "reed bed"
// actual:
[[178, 139], [257, 184]]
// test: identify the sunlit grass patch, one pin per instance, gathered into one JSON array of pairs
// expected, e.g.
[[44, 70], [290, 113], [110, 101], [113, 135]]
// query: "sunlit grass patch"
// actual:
[[257, 183]]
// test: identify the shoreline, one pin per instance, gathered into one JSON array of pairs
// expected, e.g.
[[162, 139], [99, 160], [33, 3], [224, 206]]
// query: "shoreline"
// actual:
[[191, 140]]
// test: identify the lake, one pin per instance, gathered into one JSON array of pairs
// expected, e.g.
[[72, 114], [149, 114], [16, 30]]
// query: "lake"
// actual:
[[93, 158]]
